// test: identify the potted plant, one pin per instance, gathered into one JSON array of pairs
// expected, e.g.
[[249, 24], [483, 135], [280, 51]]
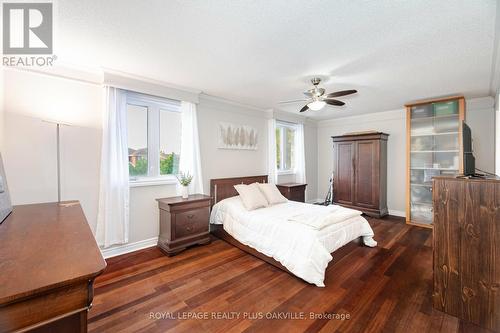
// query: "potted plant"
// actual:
[[184, 179]]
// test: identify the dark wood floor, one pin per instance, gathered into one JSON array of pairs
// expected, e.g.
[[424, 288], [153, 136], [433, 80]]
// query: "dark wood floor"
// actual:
[[384, 289]]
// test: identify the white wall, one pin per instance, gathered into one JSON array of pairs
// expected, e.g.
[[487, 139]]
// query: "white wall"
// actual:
[[311, 151], [497, 133], [30, 143], [2, 130], [222, 163], [479, 116], [30, 146]]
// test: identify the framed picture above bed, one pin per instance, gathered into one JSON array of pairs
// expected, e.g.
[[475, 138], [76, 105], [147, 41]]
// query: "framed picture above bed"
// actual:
[[5, 204], [232, 136]]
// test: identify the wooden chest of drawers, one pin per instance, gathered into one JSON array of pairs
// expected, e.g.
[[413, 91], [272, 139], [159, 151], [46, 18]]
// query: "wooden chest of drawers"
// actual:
[[183, 222], [293, 191], [466, 251]]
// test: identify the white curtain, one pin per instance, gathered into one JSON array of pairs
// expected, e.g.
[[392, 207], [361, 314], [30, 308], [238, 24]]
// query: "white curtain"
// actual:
[[271, 158], [190, 147], [300, 158], [113, 212]]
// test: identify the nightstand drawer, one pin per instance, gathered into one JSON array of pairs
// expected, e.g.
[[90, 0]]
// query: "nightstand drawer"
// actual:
[[191, 222], [293, 191]]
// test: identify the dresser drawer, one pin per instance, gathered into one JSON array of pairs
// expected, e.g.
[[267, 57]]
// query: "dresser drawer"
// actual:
[[191, 222]]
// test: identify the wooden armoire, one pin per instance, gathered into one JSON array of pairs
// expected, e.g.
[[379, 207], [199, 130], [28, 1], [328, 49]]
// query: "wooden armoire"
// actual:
[[360, 172]]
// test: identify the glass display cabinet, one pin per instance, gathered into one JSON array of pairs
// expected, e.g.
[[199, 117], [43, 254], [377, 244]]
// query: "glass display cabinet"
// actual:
[[433, 149]]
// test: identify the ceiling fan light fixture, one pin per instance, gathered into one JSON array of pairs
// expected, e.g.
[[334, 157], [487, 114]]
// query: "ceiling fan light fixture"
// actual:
[[316, 105]]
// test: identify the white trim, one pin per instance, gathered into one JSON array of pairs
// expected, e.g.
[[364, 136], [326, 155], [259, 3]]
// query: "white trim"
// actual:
[[293, 117], [153, 181], [363, 118], [231, 102], [129, 247], [399, 213], [286, 172], [63, 73], [495, 59], [314, 200], [149, 86]]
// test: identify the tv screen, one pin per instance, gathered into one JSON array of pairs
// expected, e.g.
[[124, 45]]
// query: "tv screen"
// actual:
[[466, 138], [469, 161], [5, 204]]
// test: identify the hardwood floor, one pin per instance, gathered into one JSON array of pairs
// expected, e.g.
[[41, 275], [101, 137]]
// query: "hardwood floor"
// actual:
[[384, 289]]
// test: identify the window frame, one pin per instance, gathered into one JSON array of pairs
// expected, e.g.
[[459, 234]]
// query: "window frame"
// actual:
[[154, 105], [283, 153]]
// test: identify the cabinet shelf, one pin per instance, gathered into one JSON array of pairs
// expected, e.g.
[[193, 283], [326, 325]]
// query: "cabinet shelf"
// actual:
[[435, 117], [434, 134], [443, 169], [435, 151], [423, 185]]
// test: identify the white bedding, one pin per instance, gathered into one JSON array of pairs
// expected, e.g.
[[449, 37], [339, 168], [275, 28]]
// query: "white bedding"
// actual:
[[304, 250]]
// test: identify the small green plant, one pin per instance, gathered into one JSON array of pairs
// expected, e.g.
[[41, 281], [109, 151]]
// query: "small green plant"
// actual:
[[184, 178]]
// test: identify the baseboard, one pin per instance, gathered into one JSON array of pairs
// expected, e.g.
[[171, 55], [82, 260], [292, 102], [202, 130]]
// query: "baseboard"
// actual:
[[397, 213], [130, 247]]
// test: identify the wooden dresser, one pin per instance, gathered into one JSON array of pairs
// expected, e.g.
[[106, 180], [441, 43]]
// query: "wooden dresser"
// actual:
[[48, 262], [467, 249], [360, 172], [183, 222], [293, 191]]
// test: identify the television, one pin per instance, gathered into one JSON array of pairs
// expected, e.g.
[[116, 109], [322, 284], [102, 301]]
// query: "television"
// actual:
[[469, 162]]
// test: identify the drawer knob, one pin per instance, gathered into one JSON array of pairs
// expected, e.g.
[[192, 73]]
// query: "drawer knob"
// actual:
[[189, 228], [190, 216]]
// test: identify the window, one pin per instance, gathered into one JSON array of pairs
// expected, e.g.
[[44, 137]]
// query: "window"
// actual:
[[285, 147], [154, 137]]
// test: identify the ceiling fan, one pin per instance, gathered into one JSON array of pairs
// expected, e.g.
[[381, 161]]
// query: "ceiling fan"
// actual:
[[316, 98]]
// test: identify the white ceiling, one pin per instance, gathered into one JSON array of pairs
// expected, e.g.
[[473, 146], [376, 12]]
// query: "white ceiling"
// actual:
[[261, 52]]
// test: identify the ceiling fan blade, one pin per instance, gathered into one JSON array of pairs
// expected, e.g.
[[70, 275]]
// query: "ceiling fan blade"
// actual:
[[341, 93], [333, 102], [305, 108], [293, 101]]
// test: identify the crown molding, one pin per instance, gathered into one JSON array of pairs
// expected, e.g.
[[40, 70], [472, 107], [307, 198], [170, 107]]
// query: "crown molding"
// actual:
[[293, 117], [397, 114], [100, 76], [226, 105], [149, 86], [92, 76]]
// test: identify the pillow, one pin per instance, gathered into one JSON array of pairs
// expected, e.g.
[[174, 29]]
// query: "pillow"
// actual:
[[272, 194], [251, 196]]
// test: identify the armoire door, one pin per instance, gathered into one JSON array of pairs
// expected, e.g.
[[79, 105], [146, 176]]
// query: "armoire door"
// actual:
[[366, 180], [344, 172]]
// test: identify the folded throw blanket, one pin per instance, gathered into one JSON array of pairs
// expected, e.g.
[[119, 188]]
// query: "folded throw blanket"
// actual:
[[321, 216]]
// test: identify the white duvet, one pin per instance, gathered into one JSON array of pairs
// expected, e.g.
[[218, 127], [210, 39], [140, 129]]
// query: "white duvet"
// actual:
[[300, 236]]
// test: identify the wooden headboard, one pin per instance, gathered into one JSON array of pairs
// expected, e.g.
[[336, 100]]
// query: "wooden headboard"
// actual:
[[223, 188]]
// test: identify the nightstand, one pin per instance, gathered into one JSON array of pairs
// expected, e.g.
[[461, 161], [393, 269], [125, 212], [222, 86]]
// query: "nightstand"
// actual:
[[293, 191], [183, 222]]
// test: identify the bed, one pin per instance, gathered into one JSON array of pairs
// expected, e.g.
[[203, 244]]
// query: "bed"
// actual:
[[274, 235]]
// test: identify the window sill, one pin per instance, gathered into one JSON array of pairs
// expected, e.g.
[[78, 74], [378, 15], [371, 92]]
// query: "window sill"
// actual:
[[286, 173], [153, 181]]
